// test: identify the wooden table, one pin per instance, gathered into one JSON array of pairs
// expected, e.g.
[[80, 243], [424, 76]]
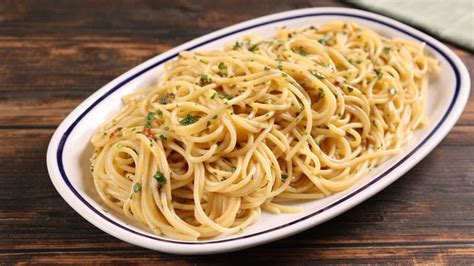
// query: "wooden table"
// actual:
[[55, 54]]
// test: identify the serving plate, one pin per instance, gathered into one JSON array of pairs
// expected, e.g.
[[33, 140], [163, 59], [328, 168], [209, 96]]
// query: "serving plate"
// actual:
[[69, 149]]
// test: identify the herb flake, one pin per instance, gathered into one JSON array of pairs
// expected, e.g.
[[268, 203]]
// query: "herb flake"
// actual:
[[204, 80], [225, 96], [236, 46], [189, 119], [149, 119], [160, 177], [167, 98], [159, 113], [222, 66], [137, 187]]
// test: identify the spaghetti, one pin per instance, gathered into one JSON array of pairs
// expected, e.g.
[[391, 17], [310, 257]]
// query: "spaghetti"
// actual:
[[226, 134]]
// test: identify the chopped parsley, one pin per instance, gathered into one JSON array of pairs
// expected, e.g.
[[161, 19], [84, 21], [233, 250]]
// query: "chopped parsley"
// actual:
[[237, 45], [204, 80], [160, 178], [137, 187], [284, 176], [302, 52], [213, 96], [150, 116], [162, 137], [386, 49], [189, 119], [166, 128], [167, 98], [159, 113], [233, 169], [225, 96], [254, 47], [222, 66], [222, 69], [119, 146], [266, 68], [149, 119], [321, 93]]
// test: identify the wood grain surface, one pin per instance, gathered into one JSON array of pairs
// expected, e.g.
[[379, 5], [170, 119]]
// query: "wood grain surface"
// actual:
[[53, 54]]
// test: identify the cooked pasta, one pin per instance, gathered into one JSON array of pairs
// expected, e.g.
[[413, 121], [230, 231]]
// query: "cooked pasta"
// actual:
[[226, 134]]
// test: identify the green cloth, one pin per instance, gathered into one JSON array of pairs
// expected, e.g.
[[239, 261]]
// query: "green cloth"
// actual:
[[448, 20]]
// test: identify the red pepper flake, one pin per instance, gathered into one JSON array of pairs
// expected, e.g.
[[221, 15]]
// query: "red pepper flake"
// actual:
[[147, 132], [115, 132]]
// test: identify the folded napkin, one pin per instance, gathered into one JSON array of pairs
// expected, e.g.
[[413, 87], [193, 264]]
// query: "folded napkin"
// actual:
[[452, 21]]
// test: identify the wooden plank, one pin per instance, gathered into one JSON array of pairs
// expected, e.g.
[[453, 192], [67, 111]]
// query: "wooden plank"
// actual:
[[134, 18], [54, 70], [458, 254]]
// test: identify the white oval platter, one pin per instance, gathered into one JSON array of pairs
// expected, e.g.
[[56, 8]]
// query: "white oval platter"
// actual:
[[69, 150]]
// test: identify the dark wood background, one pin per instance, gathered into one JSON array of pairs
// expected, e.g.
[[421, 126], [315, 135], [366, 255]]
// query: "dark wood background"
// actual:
[[53, 54]]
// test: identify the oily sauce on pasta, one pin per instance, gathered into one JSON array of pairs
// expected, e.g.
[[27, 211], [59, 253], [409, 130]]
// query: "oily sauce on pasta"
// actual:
[[226, 134]]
